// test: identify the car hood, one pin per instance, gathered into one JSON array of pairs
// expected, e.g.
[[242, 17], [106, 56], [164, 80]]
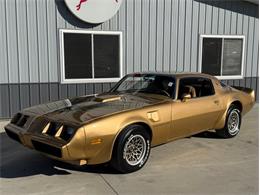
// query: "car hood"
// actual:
[[81, 110]]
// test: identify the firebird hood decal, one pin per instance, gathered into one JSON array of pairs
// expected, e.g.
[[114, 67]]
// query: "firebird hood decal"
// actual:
[[83, 109]]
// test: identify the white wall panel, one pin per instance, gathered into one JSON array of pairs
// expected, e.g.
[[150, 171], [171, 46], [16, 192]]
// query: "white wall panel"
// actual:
[[158, 35]]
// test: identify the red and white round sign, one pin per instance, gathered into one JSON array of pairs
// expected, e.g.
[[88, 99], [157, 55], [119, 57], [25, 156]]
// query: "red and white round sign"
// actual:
[[94, 11]]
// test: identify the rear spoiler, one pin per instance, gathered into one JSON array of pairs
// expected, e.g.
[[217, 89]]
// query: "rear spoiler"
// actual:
[[249, 91]]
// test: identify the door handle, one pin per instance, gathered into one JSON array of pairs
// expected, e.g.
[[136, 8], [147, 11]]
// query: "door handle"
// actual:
[[216, 102]]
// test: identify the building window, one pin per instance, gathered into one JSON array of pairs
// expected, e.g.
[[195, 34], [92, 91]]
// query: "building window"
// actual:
[[90, 56], [222, 56]]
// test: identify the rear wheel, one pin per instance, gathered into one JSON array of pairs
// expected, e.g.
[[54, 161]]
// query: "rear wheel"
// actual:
[[232, 124], [131, 150]]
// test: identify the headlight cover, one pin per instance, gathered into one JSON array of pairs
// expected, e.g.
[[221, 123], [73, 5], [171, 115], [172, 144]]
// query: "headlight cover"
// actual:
[[67, 132], [20, 120], [16, 118]]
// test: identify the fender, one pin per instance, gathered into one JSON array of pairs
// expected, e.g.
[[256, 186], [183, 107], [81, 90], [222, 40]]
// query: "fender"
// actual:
[[126, 125]]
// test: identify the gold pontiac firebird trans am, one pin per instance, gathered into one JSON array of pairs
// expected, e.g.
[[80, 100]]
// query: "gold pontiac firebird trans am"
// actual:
[[142, 110]]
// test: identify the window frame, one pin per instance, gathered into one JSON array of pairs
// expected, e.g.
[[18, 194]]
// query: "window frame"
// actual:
[[63, 80], [196, 77], [173, 96], [223, 77]]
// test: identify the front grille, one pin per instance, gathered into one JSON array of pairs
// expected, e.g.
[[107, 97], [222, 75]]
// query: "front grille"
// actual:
[[45, 148], [13, 135]]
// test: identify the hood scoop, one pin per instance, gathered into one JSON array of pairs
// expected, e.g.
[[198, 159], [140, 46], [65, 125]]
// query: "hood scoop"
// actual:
[[107, 98]]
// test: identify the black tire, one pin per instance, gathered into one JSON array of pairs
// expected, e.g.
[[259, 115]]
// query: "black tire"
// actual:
[[133, 133], [227, 131]]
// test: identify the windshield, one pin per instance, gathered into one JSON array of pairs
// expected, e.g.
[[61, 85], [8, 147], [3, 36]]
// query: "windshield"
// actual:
[[146, 83]]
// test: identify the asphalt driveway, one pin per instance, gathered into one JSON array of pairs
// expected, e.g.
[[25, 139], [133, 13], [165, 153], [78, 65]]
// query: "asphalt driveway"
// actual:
[[202, 164]]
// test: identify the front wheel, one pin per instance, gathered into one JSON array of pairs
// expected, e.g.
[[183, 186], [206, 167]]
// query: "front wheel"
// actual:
[[132, 149], [232, 124]]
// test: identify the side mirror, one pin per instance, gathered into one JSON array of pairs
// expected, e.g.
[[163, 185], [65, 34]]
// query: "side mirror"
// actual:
[[185, 97]]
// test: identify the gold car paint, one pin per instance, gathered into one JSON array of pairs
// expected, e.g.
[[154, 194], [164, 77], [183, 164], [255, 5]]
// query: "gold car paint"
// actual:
[[185, 121], [194, 115], [76, 146], [168, 119], [228, 96], [108, 129]]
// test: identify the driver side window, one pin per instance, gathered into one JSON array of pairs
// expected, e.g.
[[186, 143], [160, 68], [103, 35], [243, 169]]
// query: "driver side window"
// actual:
[[196, 87]]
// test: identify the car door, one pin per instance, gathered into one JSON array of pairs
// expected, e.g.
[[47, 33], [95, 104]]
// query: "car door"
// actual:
[[197, 113]]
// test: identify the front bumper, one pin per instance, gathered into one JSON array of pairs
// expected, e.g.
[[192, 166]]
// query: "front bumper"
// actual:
[[52, 147], [92, 147]]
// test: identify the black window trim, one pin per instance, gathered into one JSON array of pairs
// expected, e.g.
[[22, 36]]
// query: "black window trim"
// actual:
[[63, 80], [194, 77], [221, 77]]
